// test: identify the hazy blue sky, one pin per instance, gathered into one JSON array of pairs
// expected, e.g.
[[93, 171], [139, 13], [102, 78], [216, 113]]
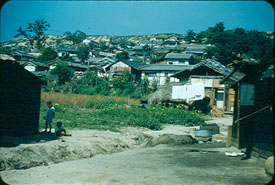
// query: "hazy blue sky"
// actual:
[[135, 18]]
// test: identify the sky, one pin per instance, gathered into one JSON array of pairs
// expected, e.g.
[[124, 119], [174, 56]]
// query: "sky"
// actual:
[[133, 17]]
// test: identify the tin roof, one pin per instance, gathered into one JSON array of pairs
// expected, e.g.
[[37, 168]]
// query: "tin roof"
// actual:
[[135, 65], [67, 49], [178, 56], [164, 67], [212, 64]]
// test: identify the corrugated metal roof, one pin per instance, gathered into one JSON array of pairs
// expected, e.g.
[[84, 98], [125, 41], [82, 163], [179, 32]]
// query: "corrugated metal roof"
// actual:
[[135, 65], [94, 59], [212, 64], [164, 67], [216, 66], [36, 63], [194, 50], [67, 49], [17, 53], [178, 56]]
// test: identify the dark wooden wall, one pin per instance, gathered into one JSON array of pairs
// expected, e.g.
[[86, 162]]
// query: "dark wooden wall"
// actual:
[[256, 131], [263, 127], [20, 100]]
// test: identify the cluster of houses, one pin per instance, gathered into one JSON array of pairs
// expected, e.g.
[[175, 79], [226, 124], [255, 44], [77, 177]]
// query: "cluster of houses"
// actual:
[[246, 90], [253, 120], [186, 67], [144, 52]]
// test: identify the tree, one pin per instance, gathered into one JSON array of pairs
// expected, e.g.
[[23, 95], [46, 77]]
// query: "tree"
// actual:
[[66, 58], [102, 45], [146, 48], [76, 37], [158, 58], [238, 43], [34, 33], [214, 34], [218, 28], [123, 43], [190, 35], [259, 45], [83, 53], [122, 55], [47, 54], [63, 72]]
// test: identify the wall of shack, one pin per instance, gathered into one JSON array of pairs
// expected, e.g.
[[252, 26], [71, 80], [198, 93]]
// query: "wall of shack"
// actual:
[[20, 100]]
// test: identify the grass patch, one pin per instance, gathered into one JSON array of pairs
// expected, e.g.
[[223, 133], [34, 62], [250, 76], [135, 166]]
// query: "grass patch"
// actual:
[[109, 114], [79, 99]]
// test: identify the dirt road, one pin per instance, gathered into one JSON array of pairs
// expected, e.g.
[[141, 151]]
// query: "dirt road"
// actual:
[[132, 156], [157, 165]]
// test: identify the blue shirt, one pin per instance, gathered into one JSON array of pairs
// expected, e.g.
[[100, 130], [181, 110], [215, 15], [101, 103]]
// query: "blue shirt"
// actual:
[[50, 114]]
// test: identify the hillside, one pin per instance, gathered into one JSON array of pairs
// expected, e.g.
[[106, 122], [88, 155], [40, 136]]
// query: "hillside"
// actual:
[[56, 41]]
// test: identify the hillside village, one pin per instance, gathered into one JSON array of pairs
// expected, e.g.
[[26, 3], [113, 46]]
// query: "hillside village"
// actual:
[[160, 58], [181, 71], [178, 67]]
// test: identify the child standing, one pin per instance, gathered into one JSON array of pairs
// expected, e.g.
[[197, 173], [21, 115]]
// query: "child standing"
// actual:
[[49, 117]]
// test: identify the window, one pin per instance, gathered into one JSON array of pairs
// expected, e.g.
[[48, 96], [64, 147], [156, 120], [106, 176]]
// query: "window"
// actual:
[[219, 96], [151, 74], [247, 94]]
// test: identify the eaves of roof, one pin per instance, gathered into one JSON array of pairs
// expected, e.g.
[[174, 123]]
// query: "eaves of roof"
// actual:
[[164, 67]]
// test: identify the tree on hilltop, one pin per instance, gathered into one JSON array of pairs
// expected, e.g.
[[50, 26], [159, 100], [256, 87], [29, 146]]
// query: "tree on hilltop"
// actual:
[[190, 35], [34, 33], [47, 54], [83, 53], [122, 55], [76, 37], [63, 72]]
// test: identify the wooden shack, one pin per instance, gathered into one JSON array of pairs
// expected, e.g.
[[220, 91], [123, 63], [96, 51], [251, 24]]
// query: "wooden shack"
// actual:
[[20, 100], [253, 120]]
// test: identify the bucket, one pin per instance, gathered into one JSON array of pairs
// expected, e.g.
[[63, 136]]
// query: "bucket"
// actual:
[[203, 133]]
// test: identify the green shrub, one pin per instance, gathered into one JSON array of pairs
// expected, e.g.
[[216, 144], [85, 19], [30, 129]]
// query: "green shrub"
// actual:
[[111, 115], [104, 104]]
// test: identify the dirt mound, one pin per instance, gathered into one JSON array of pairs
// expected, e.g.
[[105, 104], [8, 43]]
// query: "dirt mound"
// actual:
[[171, 139], [27, 152], [83, 144]]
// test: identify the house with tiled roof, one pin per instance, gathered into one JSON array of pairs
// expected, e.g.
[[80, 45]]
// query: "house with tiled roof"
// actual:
[[67, 51], [120, 67], [100, 66], [74, 66], [179, 59], [195, 50], [162, 73], [33, 66]]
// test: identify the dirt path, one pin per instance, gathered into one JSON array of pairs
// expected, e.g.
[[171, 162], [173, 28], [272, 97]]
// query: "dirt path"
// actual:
[[157, 165], [45, 149], [131, 156]]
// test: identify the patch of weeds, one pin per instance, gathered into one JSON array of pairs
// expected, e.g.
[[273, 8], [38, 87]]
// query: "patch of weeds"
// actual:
[[111, 115]]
